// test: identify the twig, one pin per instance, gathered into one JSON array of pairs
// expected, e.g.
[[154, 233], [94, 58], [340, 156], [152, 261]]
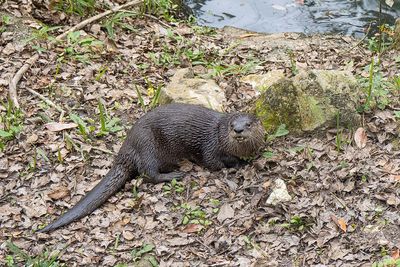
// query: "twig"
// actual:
[[222, 263], [362, 39], [97, 17], [48, 101], [103, 150], [158, 20], [17, 77]]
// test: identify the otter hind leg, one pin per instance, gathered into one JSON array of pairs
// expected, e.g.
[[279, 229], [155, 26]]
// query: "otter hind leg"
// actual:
[[167, 177], [154, 172]]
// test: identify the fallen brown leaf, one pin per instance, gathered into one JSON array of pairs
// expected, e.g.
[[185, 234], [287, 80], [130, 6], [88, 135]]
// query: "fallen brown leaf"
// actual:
[[266, 185], [59, 193], [57, 126], [340, 222], [396, 254], [192, 228], [360, 137], [225, 212], [396, 177]]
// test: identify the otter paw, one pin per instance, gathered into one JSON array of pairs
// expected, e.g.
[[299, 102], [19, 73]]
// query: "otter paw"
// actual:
[[167, 177]]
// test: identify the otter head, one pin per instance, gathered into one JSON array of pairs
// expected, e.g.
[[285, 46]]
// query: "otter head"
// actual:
[[245, 135]]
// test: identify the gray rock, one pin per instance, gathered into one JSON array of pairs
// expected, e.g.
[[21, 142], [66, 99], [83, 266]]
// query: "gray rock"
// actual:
[[185, 88], [262, 82]]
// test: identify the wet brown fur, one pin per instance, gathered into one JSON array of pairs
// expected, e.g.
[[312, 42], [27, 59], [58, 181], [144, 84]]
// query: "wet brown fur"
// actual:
[[161, 138]]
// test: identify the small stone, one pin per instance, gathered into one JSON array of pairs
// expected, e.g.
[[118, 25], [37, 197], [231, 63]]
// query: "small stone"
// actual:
[[9, 49], [128, 235], [95, 28], [279, 193], [32, 139]]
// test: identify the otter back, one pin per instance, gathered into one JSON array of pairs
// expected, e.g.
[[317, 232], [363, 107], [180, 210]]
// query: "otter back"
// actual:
[[164, 136]]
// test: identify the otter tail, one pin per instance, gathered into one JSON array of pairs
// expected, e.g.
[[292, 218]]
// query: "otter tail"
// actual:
[[108, 186]]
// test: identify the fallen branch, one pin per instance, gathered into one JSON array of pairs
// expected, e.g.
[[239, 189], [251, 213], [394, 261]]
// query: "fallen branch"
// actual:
[[157, 20], [97, 17], [46, 100], [17, 77]]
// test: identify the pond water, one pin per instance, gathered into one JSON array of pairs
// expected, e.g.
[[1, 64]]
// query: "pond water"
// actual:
[[349, 17]]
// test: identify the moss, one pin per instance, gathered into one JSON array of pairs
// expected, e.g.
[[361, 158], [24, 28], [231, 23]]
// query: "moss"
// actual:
[[275, 106], [309, 101], [311, 113]]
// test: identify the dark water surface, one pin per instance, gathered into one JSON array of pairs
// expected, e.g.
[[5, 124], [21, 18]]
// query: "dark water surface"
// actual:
[[348, 17]]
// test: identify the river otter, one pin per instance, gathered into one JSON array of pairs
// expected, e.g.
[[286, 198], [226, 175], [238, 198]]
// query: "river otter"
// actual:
[[164, 136]]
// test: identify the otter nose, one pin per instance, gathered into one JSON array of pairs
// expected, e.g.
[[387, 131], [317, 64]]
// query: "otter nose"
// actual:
[[238, 130]]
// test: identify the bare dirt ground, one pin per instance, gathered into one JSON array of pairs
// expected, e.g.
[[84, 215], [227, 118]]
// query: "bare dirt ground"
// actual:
[[346, 200]]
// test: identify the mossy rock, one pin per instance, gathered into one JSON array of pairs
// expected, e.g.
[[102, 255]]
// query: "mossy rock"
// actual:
[[310, 101]]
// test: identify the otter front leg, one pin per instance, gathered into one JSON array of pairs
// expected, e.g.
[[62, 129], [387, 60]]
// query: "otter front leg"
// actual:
[[212, 163], [232, 161]]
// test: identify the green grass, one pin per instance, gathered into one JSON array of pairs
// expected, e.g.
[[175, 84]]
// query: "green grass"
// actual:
[[383, 41], [268, 154], [107, 124], [19, 257], [101, 72], [296, 224], [181, 49], [118, 20], [80, 48], [378, 89], [194, 215], [339, 134], [77, 7], [153, 92], [43, 33], [167, 9], [222, 69], [5, 20], [280, 131], [11, 123], [396, 83], [293, 65], [388, 262], [142, 252], [82, 125], [174, 187]]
